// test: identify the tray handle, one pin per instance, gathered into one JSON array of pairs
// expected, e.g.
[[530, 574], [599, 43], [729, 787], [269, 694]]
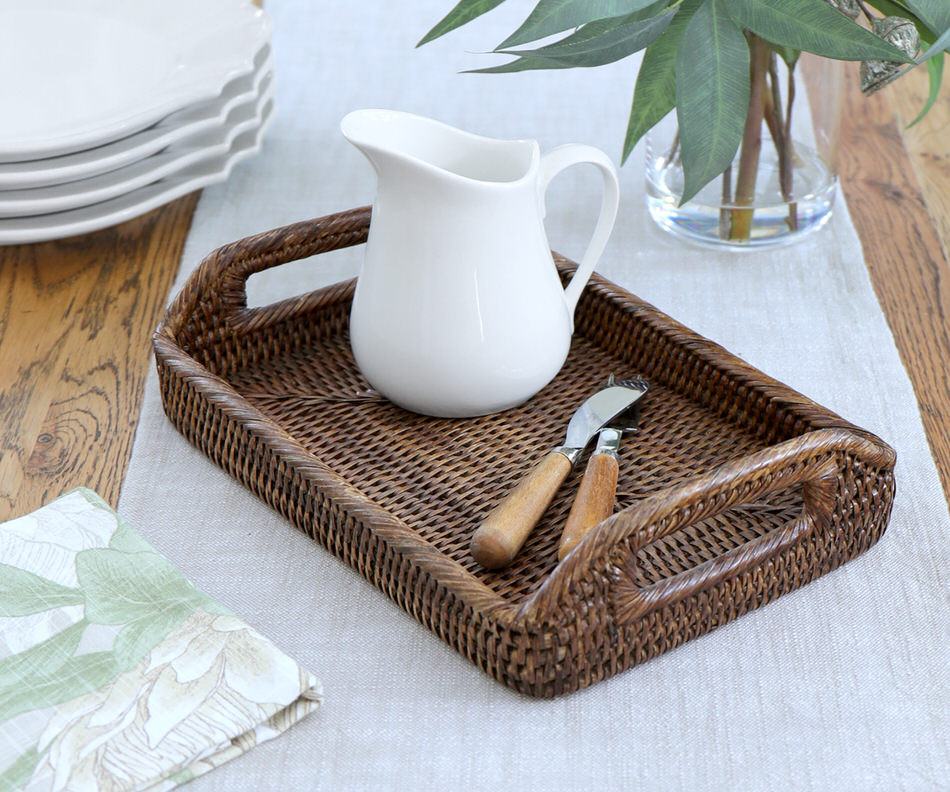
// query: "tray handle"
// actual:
[[683, 506], [216, 294], [812, 461]]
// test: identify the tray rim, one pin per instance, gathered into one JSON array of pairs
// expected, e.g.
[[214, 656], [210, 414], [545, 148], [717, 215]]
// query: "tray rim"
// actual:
[[223, 274], [835, 432]]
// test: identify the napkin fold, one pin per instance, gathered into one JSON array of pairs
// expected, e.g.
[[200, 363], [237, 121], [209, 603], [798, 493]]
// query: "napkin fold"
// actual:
[[115, 672]]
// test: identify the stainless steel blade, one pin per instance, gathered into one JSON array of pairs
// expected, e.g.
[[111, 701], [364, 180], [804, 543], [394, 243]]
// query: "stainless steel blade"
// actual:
[[598, 411]]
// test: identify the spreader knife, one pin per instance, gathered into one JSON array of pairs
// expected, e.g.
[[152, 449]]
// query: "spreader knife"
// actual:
[[503, 532]]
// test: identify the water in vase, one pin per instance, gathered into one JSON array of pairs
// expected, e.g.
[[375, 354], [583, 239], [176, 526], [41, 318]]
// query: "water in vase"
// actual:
[[778, 215]]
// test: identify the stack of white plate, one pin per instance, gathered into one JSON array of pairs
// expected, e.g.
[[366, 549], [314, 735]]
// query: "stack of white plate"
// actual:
[[109, 109]]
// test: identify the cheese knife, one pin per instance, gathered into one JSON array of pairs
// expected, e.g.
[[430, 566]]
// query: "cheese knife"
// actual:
[[503, 532]]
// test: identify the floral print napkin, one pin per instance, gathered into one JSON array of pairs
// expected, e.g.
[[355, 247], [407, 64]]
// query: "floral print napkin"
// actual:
[[115, 672]]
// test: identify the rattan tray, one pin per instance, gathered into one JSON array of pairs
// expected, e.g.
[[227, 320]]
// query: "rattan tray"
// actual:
[[735, 490]]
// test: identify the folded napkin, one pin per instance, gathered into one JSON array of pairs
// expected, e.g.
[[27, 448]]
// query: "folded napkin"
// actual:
[[115, 672]]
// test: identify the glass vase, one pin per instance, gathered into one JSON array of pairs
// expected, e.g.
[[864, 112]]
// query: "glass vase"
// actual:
[[781, 185]]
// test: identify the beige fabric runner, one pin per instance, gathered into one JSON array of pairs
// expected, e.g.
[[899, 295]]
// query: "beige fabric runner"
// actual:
[[841, 685]]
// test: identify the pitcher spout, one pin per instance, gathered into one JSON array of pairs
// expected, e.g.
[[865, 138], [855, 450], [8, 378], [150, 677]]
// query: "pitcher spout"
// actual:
[[389, 136]]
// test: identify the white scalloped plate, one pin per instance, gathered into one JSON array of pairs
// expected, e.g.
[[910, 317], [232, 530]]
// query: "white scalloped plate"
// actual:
[[80, 73], [39, 228], [207, 145], [175, 128]]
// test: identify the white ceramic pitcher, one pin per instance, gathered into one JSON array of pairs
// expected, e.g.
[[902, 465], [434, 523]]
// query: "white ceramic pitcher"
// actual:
[[458, 309]]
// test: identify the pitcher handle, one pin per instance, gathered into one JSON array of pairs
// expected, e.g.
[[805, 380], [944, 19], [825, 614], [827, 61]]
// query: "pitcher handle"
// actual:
[[552, 163]]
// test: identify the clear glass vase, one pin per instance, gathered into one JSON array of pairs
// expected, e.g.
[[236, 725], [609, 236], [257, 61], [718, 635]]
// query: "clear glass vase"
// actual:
[[770, 196]]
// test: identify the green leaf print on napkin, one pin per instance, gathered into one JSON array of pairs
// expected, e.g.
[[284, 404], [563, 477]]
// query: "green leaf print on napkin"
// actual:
[[49, 656], [17, 774], [127, 539], [138, 638], [140, 590], [121, 588], [124, 674], [78, 676], [133, 587], [22, 593], [50, 673]]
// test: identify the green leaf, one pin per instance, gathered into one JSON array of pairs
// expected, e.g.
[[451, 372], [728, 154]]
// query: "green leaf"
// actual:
[[520, 65], [933, 13], [813, 27], [891, 7], [935, 71], [23, 593], [44, 658], [555, 16], [937, 47], [655, 92], [125, 587], [712, 94], [138, 638], [17, 774], [603, 41], [44, 688], [464, 12], [50, 673]]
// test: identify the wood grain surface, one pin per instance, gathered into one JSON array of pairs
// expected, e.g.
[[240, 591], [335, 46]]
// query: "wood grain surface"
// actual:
[[928, 146], [76, 315], [897, 184], [76, 318]]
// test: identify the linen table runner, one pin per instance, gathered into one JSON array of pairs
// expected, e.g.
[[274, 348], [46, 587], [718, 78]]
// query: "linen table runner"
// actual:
[[840, 685]]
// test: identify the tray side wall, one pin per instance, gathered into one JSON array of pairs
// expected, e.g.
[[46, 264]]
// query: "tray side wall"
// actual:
[[471, 621], [565, 651], [582, 637]]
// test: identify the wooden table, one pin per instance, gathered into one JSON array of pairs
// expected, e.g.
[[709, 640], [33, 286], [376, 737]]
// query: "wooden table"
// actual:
[[76, 316]]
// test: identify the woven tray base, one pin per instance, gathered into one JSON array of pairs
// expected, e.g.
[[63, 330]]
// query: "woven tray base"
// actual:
[[734, 490]]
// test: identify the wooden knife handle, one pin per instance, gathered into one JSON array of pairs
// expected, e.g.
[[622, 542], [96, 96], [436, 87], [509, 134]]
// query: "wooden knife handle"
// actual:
[[594, 502], [505, 529]]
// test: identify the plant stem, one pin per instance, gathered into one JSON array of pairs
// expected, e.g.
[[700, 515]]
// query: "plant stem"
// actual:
[[781, 135], [740, 228], [674, 148], [773, 112], [867, 13], [787, 172], [725, 201]]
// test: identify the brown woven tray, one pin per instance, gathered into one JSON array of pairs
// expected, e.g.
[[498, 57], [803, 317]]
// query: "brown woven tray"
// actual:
[[735, 490]]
